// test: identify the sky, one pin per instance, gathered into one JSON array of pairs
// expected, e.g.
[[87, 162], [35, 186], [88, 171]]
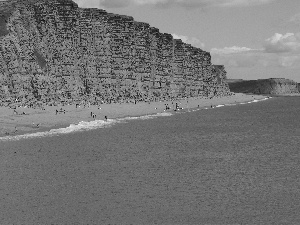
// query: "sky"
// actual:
[[254, 39]]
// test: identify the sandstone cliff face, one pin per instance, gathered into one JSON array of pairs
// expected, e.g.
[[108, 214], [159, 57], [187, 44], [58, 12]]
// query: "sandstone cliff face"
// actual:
[[274, 86], [54, 51]]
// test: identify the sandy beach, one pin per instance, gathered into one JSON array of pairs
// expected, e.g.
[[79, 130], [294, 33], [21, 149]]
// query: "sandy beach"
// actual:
[[27, 120]]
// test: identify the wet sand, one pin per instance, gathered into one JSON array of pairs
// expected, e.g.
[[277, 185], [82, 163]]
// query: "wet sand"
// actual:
[[27, 120]]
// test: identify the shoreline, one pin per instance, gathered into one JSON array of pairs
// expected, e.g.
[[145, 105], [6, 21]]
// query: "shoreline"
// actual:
[[285, 95], [28, 120]]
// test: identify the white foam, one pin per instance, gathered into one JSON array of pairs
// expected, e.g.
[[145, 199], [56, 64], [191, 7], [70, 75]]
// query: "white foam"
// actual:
[[256, 100], [218, 106], [265, 98], [145, 117], [82, 126], [229, 104]]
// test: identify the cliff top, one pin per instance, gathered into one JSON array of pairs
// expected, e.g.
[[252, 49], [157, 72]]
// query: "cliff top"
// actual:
[[264, 86], [260, 80], [8, 6]]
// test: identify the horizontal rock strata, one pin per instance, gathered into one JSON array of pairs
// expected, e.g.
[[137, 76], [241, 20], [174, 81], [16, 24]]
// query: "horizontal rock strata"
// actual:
[[53, 51], [276, 86]]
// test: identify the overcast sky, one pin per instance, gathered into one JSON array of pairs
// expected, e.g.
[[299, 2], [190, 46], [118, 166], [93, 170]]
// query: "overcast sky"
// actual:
[[254, 39]]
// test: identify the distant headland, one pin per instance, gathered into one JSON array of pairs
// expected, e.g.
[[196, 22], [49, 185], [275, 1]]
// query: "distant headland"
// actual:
[[272, 86], [52, 51]]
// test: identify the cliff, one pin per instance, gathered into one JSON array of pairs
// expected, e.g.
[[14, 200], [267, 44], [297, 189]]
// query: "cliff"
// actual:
[[276, 86], [54, 51]]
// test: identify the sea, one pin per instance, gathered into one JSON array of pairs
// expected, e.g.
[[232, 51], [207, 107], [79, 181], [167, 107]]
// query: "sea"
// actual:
[[231, 164]]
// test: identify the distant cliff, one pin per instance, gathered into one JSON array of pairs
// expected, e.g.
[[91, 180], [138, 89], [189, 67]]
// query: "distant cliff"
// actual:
[[274, 86], [53, 51]]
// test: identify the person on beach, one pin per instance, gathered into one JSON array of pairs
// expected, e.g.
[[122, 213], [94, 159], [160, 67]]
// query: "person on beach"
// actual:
[[105, 117], [35, 126], [56, 111]]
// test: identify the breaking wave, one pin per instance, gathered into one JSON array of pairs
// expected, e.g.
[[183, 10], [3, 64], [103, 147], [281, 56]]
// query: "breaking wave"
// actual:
[[82, 126]]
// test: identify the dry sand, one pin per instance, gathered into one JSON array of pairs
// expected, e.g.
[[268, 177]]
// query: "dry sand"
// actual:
[[15, 123]]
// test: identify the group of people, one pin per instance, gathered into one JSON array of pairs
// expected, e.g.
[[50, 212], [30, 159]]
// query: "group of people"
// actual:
[[93, 115], [60, 111], [15, 112], [167, 107], [177, 107]]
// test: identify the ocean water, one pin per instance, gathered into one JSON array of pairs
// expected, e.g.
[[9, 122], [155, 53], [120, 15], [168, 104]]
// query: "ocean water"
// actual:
[[237, 164]]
